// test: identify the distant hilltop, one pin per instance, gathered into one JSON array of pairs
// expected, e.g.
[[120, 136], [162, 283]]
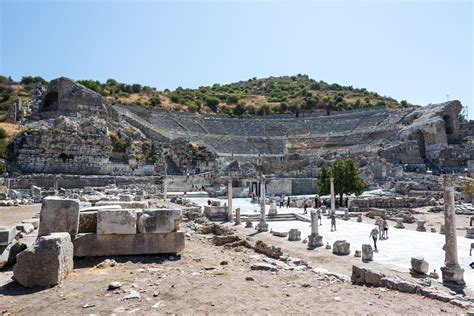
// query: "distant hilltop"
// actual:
[[273, 95]]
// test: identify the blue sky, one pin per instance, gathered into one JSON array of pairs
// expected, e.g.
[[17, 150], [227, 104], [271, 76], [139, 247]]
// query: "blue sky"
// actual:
[[420, 51]]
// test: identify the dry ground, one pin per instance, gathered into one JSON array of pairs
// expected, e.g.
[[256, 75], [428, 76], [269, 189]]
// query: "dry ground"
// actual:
[[199, 282]]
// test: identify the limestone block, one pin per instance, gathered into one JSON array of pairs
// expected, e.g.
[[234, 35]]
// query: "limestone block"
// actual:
[[7, 234], [125, 197], [367, 252], [88, 222], [47, 263], [59, 215], [159, 220], [32, 221], [294, 234], [94, 245], [132, 204], [470, 232], [419, 265], [116, 222], [279, 233], [25, 228], [341, 248], [8, 253]]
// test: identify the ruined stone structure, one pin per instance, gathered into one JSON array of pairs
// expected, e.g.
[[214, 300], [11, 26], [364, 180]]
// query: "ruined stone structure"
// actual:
[[385, 143], [77, 132]]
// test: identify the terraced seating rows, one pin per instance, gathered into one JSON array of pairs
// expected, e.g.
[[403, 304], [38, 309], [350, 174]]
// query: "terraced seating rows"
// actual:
[[268, 136]]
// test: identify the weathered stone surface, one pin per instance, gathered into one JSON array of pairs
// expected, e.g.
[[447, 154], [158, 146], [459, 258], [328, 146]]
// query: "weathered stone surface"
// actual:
[[222, 240], [59, 215], [25, 228], [127, 205], [419, 265], [361, 276], [279, 233], [159, 220], [7, 234], [270, 251], [367, 253], [294, 234], [88, 222], [93, 245], [116, 222], [407, 287], [263, 267], [341, 248], [125, 197], [48, 262], [32, 221]]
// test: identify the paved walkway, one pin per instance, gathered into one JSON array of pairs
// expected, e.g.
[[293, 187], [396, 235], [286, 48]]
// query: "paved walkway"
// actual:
[[395, 251]]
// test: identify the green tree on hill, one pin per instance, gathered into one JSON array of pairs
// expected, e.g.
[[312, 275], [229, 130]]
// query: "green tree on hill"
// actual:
[[347, 179]]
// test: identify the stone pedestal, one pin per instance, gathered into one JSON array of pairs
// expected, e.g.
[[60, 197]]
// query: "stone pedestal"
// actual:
[[314, 240], [248, 224], [262, 226], [420, 226], [346, 215], [367, 253], [341, 248], [441, 229], [399, 224], [359, 218], [451, 272], [273, 209], [470, 232], [294, 235]]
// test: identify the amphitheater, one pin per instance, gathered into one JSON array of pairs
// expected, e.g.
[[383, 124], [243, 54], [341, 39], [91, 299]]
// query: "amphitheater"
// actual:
[[71, 133]]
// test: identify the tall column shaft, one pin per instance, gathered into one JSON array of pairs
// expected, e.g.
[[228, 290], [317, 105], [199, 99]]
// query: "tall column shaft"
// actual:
[[229, 201], [333, 196], [314, 223], [451, 272], [451, 257], [262, 198]]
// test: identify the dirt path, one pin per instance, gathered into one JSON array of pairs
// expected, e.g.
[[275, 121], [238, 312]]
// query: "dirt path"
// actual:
[[15, 214], [210, 279]]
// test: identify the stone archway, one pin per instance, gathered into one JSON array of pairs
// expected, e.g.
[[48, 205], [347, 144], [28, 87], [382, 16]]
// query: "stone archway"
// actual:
[[49, 100], [448, 124], [420, 140]]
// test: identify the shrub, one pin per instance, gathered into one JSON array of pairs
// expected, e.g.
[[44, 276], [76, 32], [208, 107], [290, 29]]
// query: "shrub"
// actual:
[[3, 133], [32, 80], [212, 103], [154, 101], [91, 84], [3, 169], [404, 103]]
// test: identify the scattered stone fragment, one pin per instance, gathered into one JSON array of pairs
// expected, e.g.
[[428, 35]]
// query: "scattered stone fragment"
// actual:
[[114, 285], [132, 295]]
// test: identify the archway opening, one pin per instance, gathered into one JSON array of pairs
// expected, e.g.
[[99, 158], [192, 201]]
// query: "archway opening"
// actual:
[[420, 140], [448, 124]]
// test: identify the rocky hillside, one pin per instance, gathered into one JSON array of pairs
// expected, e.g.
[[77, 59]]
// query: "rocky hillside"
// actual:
[[252, 97]]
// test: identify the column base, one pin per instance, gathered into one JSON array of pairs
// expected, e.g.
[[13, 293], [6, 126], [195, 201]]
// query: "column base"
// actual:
[[262, 226], [453, 274], [315, 241]]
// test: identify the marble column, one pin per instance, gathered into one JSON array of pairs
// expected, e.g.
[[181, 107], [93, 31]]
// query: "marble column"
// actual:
[[451, 272], [165, 188], [229, 201], [333, 196], [237, 216], [262, 226], [314, 240]]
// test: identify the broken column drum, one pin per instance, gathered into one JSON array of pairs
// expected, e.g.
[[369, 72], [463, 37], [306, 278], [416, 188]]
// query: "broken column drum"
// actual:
[[451, 272]]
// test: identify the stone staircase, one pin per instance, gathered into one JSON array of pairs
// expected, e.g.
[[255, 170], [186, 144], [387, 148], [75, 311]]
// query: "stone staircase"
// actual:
[[178, 183], [275, 218]]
